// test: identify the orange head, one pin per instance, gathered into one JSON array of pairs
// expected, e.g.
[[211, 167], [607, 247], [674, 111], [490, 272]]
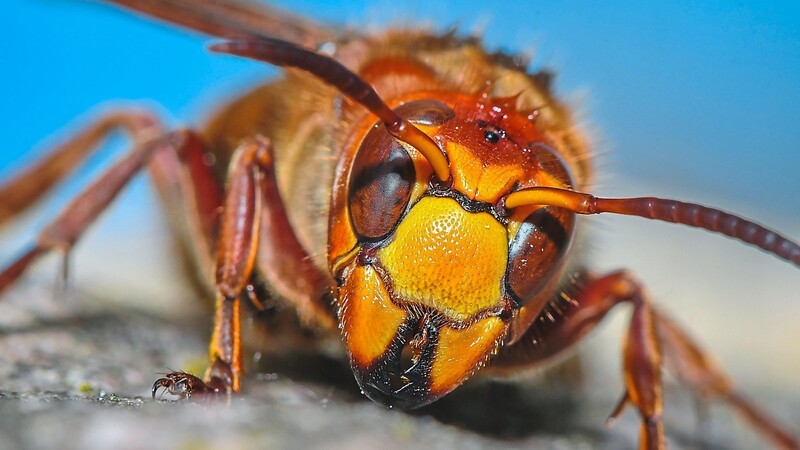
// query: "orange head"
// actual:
[[430, 273]]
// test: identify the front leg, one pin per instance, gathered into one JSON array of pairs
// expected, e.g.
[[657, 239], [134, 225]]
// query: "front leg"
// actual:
[[252, 211], [237, 243], [653, 341]]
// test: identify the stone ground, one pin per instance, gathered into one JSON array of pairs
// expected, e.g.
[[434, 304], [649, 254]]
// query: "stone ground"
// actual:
[[75, 373]]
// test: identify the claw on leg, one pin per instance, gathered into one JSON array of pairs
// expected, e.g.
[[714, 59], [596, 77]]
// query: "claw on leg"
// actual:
[[618, 410], [182, 385], [187, 386]]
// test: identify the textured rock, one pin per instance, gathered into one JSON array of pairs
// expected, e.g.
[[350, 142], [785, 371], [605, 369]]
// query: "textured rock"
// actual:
[[77, 375]]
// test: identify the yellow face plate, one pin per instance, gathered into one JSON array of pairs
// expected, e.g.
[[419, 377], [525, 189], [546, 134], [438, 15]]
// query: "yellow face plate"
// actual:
[[447, 258]]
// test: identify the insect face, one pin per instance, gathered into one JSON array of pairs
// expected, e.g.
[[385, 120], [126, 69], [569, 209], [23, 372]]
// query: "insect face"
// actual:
[[436, 271]]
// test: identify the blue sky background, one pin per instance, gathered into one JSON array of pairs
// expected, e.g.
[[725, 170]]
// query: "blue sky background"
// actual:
[[687, 97], [698, 101], [703, 96]]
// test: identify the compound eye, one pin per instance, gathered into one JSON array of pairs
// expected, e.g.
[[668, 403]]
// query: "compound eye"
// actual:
[[380, 184], [537, 251], [383, 172]]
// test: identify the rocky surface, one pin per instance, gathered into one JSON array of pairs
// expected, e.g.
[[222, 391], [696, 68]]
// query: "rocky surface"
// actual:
[[76, 373]]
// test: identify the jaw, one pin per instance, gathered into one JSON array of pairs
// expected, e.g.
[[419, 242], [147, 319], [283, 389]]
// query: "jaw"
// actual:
[[441, 359], [408, 357], [397, 379]]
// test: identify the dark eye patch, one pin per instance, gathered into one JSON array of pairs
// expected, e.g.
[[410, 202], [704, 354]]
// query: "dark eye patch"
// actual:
[[380, 184], [537, 251]]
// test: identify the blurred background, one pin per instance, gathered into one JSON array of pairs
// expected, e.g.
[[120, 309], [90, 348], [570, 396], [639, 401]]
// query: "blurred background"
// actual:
[[692, 101]]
